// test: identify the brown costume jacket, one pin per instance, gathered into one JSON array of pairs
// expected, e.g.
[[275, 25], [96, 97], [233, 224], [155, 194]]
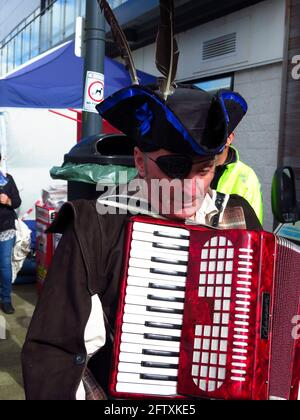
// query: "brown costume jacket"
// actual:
[[88, 262]]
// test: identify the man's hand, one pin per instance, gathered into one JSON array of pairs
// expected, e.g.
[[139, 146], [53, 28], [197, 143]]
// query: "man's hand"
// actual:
[[5, 200]]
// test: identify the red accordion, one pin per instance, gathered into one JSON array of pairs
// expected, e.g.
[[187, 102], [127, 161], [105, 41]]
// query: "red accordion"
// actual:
[[207, 314]]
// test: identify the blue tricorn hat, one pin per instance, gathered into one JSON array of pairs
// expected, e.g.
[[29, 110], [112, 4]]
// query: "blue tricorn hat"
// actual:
[[191, 121]]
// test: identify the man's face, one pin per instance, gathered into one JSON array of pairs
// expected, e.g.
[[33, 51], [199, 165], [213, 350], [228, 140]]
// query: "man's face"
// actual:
[[171, 197]]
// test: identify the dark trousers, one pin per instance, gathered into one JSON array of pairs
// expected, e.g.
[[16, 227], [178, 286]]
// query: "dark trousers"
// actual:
[[6, 249]]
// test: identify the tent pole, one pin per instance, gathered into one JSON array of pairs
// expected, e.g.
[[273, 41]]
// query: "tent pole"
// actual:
[[94, 60]]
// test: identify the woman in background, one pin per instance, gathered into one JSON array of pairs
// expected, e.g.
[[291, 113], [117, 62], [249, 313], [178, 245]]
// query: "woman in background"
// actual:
[[9, 201]]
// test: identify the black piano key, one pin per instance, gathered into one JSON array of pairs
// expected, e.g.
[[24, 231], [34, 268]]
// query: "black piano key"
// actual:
[[166, 299], [162, 353], [148, 377], [167, 273], [159, 337], [162, 325], [166, 287], [170, 236], [159, 365], [166, 261], [164, 310], [170, 247]]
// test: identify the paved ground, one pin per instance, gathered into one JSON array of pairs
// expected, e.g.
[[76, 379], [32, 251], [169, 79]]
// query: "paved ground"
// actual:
[[11, 384]]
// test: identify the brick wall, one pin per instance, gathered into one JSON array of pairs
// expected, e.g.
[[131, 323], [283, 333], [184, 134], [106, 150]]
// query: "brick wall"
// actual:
[[257, 138]]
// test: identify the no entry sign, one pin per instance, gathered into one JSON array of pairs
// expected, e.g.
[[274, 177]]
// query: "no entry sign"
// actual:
[[94, 91]]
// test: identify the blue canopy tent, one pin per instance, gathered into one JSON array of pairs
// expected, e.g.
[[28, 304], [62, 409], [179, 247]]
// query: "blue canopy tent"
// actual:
[[56, 81]]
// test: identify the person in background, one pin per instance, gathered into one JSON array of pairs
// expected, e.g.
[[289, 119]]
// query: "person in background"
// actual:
[[9, 201], [233, 176]]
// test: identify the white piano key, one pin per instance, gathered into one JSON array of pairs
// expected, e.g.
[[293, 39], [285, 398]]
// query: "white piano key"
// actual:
[[149, 237], [139, 358], [144, 282], [139, 339], [138, 263], [147, 302], [145, 291], [145, 389], [142, 329], [147, 227], [142, 310], [137, 368], [135, 379], [130, 318], [140, 272], [138, 348]]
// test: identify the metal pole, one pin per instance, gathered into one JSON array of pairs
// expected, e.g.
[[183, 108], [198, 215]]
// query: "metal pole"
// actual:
[[94, 59]]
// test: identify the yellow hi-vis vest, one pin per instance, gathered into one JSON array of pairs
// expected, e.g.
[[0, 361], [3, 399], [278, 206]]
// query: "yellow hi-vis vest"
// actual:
[[240, 179]]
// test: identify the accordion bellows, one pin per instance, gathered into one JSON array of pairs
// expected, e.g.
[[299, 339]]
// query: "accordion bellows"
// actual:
[[206, 314]]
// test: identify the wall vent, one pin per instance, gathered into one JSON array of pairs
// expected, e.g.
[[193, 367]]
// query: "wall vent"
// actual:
[[220, 46]]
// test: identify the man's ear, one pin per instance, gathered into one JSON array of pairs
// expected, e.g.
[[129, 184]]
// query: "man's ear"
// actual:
[[230, 139], [140, 162]]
